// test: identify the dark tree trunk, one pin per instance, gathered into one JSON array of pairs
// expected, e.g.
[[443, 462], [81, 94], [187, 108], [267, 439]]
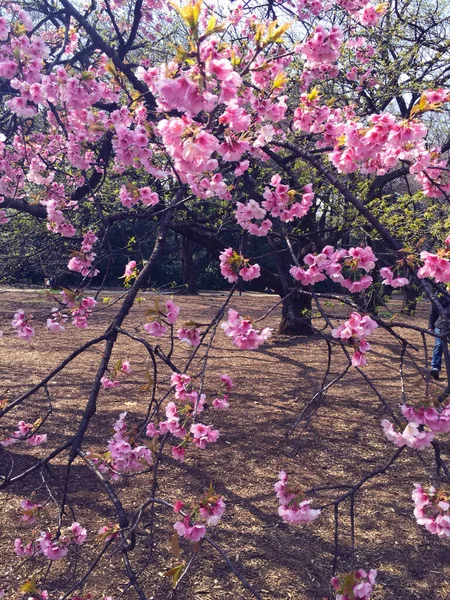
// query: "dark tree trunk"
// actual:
[[188, 273], [411, 294], [296, 315]]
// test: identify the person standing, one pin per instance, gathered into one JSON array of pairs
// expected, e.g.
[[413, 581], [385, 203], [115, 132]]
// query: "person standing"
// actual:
[[436, 323]]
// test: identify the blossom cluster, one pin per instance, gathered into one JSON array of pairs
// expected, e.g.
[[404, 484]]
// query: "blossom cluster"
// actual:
[[52, 547], [293, 507], [355, 585], [81, 261], [280, 201], [436, 266], [21, 324], [432, 510], [80, 307], [56, 322], [25, 432], [130, 195], [349, 268], [354, 331], [164, 317], [389, 278], [207, 510], [251, 217], [242, 332], [181, 416], [424, 422], [120, 369], [412, 436], [124, 454], [437, 419], [233, 266]]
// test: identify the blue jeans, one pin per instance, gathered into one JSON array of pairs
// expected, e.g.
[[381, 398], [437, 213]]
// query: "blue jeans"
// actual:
[[436, 359]]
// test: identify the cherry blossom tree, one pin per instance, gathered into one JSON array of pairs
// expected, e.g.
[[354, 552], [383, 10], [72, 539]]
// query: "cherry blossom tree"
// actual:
[[285, 122]]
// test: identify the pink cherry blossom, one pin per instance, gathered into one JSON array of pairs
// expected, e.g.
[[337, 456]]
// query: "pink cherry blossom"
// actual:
[[172, 312], [411, 436], [27, 550], [438, 420], [179, 453], [351, 586], [125, 367], [78, 533], [293, 508], [389, 279], [432, 510], [107, 383], [227, 382], [129, 269], [436, 266], [126, 454], [221, 403], [21, 324], [354, 331], [250, 272], [241, 330], [190, 335], [30, 511], [155, 329], [193, 533], [203, 434], [52, 548]]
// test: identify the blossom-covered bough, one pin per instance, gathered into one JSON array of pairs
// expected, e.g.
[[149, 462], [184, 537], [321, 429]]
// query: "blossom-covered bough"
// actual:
[[286, 121]]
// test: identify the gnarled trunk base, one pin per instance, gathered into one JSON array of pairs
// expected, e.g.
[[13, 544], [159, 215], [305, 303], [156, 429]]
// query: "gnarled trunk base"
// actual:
[[296, 315]]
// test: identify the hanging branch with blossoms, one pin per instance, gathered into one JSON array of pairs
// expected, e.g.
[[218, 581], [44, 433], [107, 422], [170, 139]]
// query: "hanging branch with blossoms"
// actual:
[[237, 133]]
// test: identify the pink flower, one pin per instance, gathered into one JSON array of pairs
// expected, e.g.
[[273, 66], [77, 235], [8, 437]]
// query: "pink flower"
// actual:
[[354, 331], [293, 508], [180, 381], [411, 436], [152, 430], [250, 272], [129, 269], [203, 434], [190, 335], [243, 334], [389, 279], [22, 550], [21, 324], [126, 455], [437, 421], [193, 533], [432, 510], [155, 329], [125, 367], [148, 197], [178, 453], [221, 403], [212, 509], [436, 266], [172, 312], [351, 586], [79, 534], [227, 259], [53, 549], [30, 511], [227, 382], [108, 383]]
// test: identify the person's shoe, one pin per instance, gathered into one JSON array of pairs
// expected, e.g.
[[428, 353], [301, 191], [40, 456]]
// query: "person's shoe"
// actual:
[[434, 373]]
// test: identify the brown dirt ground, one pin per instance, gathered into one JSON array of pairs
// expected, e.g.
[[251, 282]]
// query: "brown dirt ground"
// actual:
[[342, 442]]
